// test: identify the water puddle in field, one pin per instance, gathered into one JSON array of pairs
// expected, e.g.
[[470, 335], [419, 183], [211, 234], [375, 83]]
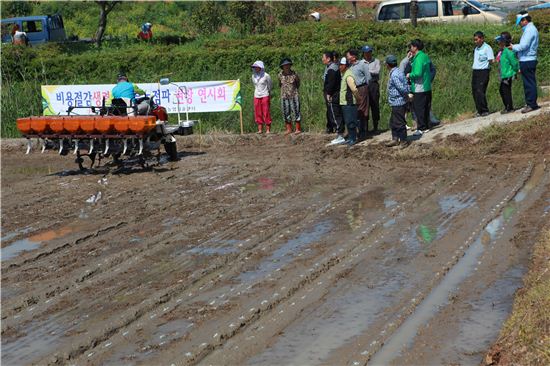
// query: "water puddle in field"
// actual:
[[349, 310], [131, 353], [172, 221], [220, 247], [286, 252], [266, 183], [33, 242], [36, 341], [439, 296], [547, 208], [481, 328], [389, 223], [169, 332], [389, 203], [13, 234], [263, 183], [436, 224]]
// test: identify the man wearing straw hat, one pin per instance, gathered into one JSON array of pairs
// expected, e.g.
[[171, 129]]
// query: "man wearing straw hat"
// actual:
[[289, 82]]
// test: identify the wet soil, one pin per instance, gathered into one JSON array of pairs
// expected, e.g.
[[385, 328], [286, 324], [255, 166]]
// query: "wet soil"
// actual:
[[260, 251]]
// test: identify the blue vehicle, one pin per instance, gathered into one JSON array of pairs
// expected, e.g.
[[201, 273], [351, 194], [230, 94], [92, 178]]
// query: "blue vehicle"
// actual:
[[39, 28]]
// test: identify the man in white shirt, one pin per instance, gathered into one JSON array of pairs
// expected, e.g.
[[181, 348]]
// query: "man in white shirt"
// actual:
[[373, 86], [481, 68]]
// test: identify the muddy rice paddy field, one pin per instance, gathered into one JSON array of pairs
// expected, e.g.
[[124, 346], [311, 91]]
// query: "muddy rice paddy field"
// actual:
[[265, 251]]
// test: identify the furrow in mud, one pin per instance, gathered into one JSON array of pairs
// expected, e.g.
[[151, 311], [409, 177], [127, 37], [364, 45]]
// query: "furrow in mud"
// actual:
[[224, 336]]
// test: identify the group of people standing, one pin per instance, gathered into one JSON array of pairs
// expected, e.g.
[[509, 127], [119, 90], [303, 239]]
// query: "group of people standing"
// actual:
[[351, 87], [512, 59]]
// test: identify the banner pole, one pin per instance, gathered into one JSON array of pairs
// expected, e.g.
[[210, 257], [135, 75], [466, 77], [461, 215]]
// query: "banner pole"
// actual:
[[241, 115]]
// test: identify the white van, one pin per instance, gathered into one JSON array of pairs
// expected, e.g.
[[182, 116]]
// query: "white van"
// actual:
[[439, 11]]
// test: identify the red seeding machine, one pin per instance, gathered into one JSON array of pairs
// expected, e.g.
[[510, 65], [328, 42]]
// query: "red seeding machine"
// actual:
[[115, 131]]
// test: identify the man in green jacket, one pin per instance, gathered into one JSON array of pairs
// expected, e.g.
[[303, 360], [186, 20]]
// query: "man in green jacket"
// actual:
[[421, 86], [509, 66]]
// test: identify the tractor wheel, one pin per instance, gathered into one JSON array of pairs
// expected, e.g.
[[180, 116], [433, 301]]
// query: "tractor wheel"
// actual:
[[172, 150]]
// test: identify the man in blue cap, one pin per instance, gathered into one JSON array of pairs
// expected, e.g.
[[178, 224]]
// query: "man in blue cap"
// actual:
[[374, 87], [527, 54], [126, 89], [398, 93]]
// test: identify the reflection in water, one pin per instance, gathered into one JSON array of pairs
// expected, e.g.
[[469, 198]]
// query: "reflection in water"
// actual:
[[285, 253], [33, 242], [348, 313]]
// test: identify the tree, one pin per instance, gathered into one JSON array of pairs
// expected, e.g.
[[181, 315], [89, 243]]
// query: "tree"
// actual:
[[105, 8], [414, 12], [288, 12], [250, 16], [207, 16], [12, 9], [354, 4]]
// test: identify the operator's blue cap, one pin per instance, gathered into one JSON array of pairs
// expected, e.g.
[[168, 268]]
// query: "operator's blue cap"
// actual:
[[366, 48], [499, 38]]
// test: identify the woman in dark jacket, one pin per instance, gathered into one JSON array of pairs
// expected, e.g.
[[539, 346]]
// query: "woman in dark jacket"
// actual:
[[331, 91]]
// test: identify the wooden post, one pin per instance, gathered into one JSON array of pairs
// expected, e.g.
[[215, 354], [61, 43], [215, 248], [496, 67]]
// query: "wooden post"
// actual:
[[241, 115]]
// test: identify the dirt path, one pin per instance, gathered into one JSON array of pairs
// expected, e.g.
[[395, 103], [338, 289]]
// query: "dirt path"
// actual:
[[265, 251], [466, 127]]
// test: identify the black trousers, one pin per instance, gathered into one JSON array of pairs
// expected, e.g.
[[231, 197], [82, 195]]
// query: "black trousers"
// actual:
[[529, 77], [398, 123], [334, 118], [506, 93], [422, 104], [374, 103], [480, 80]]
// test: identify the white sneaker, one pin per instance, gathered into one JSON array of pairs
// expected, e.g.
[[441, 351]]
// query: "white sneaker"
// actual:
[[417, 133], [338, 140]]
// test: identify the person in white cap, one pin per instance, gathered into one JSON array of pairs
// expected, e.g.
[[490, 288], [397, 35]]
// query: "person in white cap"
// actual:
[[527, 54], [262, 96], [146, 33]]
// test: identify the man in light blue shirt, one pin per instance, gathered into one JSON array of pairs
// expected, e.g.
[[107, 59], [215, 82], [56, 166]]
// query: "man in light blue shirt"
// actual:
[[527, 54], [481, 69]]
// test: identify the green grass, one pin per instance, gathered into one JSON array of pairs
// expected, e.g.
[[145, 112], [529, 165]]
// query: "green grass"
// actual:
[[525, 337]]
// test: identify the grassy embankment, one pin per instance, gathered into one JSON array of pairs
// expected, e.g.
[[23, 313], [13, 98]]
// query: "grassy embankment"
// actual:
[[525, 337], [228, 56]]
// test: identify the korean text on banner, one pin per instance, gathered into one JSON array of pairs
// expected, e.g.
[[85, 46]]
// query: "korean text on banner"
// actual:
[[200, 96]]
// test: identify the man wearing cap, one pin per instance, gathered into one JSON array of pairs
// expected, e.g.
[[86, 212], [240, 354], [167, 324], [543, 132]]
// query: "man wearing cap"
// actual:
[[481, 69], [527, 54], [361, 74], [349, 95], [126, 89], [289, 82], [421, 86], [262, 99], [373, 86], [398, 91]]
